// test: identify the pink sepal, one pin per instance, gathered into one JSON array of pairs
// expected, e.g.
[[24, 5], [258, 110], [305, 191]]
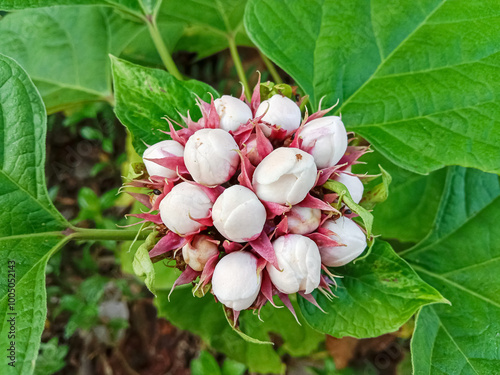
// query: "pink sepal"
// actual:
[[321, 112], [187, 276], [282, 227], [275, 209], [247, 169], [264, 146], [167, 186], [142, 198], [156, 219], [178, 136], [263, 247], [325, 173], [230, 247], [208, 270], [286, 301], [322, 240], [255, 102], [242, 134], [171, 241], [313, 202], [266, 288], [312, 300], [352, 154], [172, 162]]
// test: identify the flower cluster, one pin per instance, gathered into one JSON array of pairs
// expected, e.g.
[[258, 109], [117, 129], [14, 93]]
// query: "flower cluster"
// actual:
[[239, 201]]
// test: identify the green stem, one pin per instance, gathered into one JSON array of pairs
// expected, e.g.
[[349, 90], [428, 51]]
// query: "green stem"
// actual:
[[239, 66], [271, 68], [106, 234], [162, 49]]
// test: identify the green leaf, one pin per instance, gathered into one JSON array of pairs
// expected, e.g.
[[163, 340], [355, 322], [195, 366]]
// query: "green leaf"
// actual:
[[208, 24], [65, 50], [130, 5], [412, 204], [345, 197], [408, 74], [230, 367], [376, 295], [30, 226], [51, 358], [461, 257], [144, 96], [142, 265], [204, 317], [205, 364]]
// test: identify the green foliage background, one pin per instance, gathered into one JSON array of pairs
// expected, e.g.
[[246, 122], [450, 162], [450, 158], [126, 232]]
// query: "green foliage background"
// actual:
[[418, 79]]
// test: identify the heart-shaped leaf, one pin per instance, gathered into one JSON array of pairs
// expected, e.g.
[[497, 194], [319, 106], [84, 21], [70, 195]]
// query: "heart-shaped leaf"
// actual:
[[144, 96], [30, 226], [461, 257], [413, 77], [376, 295]]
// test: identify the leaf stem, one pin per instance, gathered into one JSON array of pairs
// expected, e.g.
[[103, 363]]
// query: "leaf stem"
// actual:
[[106, 234], [271, 68], [162, 48], [239, 66]]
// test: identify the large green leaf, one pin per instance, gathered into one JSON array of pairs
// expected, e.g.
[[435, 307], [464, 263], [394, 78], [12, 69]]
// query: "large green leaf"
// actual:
[[65, 50], [461, 257], [415, 78], [205, 317], [376, 295], [145, 95], [409, 211], [133, 6], [30, 226], [209, 24]]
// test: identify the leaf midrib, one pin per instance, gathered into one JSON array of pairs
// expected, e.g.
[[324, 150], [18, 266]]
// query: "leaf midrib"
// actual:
[[455, 285], [441, 324], [416, 249]]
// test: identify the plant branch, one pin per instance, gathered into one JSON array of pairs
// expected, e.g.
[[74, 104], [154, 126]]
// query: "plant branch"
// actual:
[[239, 66], [271, 68], [162, 48], [106, 234]]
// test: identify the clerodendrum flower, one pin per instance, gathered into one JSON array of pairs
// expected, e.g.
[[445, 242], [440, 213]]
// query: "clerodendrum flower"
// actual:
[[325, 139], [352, 238], [233, 112], [299, 262], [210, 156], [238, 214], [279, 112], [161, 150], [236, 282], [245, 199], [285, 176], [181, 207]]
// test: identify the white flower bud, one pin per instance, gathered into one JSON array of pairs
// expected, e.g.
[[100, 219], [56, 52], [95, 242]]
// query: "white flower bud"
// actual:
[[235, 281], [181, 205], [232, 112], [210, 156], [238, 214], [300, 262], [281, 111], [197, 253], [303, 220], [347, 233], [353, 184], [158, 151], [325, 138], [285, 176]]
